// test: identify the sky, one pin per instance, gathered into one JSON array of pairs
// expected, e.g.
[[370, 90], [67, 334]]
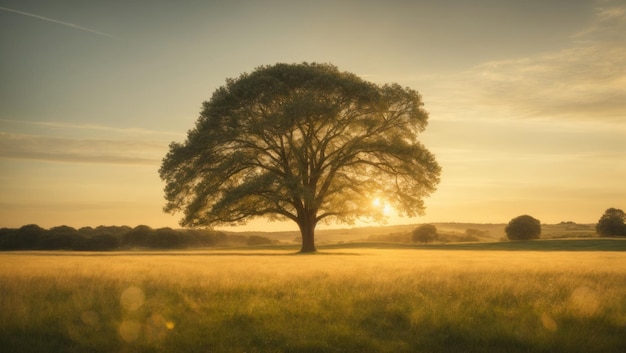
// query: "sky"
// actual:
[[527, 99]]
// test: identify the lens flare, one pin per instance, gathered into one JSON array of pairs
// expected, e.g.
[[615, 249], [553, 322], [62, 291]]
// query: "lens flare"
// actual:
[[129, 330], [132, 298]]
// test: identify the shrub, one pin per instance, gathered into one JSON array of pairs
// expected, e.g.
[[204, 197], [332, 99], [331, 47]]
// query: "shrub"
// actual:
[[425, 233], [472, 233], [258, 240], [612, 223], [523, 228]]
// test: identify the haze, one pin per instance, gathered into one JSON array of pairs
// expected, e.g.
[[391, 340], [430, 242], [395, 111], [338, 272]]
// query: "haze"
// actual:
[[527, 100]]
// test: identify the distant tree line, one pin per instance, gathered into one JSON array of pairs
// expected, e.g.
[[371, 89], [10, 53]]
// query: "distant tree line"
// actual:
[[106, 238]]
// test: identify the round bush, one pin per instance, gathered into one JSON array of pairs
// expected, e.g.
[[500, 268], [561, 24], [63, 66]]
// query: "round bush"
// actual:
[[523, 228], [612, 223]]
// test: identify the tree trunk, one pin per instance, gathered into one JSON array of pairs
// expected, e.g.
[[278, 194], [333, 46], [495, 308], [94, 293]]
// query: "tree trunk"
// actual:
[[307, 230]]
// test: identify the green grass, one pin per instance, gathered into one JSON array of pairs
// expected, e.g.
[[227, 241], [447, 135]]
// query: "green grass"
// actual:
[[593, 244], [590, 244], [350, 299]]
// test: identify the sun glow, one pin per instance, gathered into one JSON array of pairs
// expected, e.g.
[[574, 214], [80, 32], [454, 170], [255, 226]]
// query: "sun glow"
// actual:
[[381, 204]]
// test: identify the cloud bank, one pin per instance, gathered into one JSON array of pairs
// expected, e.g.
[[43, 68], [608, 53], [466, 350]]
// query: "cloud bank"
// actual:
[[66, 127], [88, 150]]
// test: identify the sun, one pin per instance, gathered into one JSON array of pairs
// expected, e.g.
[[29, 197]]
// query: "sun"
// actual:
[[383, 205]]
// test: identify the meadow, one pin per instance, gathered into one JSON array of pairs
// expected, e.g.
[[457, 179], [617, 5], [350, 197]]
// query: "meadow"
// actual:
[[343, 299]]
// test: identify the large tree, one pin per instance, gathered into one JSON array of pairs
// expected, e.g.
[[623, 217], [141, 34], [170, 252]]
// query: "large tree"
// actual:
[[302, 142]]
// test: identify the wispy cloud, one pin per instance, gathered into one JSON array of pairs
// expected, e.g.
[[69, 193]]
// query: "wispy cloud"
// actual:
[[92, 127], [67, 24], [585, 81], [89, 150], [607, 20]]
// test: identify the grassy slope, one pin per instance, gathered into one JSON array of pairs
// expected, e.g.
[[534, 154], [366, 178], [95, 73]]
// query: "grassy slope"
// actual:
[[493, 232], [595, 244], [569, 245], [346, 299]]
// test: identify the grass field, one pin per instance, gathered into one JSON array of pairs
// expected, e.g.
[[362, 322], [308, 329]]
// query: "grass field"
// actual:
[[344, 299]]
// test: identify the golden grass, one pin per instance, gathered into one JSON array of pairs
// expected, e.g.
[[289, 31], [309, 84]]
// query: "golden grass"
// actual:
[[368, 300]]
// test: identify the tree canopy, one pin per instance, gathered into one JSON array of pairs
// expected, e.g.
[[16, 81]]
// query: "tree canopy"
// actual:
[[424, 233], [301, 142], [523, 228], [612, 223]]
